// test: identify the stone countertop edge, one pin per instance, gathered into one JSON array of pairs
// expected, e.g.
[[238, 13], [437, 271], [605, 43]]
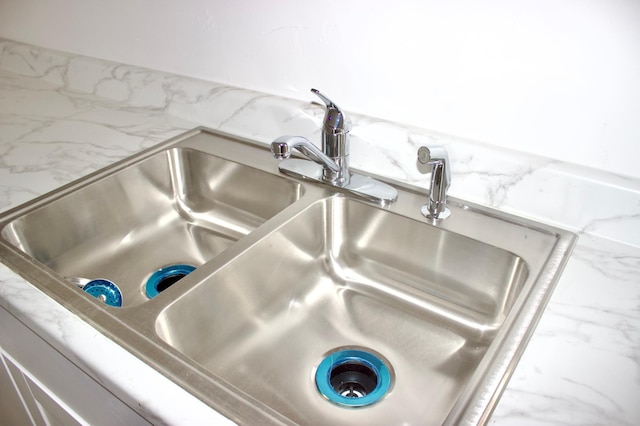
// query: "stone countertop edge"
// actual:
[[63, 116]]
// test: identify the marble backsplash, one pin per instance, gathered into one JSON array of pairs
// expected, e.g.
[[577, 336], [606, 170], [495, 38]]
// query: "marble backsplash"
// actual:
[[584, 200]]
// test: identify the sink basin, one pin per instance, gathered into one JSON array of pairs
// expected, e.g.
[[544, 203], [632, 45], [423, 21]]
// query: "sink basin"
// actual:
[[306, 304], [180, 206], [343, 274]]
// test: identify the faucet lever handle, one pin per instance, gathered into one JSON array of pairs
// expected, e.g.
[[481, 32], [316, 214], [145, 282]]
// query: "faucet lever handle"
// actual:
[[335, 120], [328, 102]]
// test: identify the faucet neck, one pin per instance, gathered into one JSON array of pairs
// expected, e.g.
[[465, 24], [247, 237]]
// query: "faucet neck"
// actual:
[[335, 145]]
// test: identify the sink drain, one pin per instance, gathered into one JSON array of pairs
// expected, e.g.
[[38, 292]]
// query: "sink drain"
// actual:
[[105, 291], [353, 378], [164, 278]]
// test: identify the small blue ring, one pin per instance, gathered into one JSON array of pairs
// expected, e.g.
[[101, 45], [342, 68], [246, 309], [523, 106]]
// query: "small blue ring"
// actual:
[[323, 377], [106, 288], [156, 278]]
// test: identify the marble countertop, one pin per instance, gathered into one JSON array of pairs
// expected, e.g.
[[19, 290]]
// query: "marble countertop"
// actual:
[[63, 116]]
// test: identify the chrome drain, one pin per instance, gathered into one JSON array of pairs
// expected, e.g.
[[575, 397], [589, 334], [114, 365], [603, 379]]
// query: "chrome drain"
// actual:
[[353, 378], [165, 277]]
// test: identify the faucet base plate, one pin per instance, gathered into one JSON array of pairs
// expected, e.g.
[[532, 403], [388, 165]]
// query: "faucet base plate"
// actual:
[[362, 186]]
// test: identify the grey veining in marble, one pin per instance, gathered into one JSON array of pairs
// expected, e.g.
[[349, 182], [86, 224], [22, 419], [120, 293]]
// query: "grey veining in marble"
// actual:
[[63, 116], [72, 133], [583, 365], [541, 188]]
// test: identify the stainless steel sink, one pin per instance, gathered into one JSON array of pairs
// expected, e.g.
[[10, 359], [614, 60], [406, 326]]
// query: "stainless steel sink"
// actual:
[[180, 206], [289, 274], [344, 274]]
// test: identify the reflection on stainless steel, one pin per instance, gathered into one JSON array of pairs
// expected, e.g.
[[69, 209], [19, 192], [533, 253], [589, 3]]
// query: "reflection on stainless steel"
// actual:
[[78, 281], [332, 163], [288, 272]]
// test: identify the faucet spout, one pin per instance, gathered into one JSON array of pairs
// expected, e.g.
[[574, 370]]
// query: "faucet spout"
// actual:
[[281, 149]]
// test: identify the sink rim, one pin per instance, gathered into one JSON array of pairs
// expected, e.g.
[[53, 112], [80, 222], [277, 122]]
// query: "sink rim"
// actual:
[[475, 404]]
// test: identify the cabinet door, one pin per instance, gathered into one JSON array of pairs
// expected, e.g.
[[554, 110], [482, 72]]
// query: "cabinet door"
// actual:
[[53, 411], [32, 403], [13, 410], [61, 392]]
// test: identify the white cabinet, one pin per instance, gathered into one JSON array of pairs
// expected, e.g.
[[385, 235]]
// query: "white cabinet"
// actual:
[[13, 410], [32, 402], [41, 387]]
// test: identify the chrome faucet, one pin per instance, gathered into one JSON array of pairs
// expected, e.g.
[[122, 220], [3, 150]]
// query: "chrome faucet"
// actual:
[[331, 164], [335, 145], [438, 158]]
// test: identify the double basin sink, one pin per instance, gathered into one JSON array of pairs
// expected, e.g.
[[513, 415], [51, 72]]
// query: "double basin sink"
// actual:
[[302, 303]]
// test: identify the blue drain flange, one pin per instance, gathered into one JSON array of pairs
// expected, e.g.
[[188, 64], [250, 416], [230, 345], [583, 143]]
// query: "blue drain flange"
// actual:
[[174, 272], [104, 290], [342, 362]]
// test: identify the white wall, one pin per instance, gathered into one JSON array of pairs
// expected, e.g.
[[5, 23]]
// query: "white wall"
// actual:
[[556, 77]]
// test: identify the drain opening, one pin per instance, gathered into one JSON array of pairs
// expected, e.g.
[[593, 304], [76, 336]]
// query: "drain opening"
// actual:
[[165, 277], [167, 282], [353, 378]]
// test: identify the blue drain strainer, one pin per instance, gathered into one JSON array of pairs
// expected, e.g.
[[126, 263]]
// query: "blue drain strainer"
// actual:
[[105, 291], [163, 278], [353, 378]]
